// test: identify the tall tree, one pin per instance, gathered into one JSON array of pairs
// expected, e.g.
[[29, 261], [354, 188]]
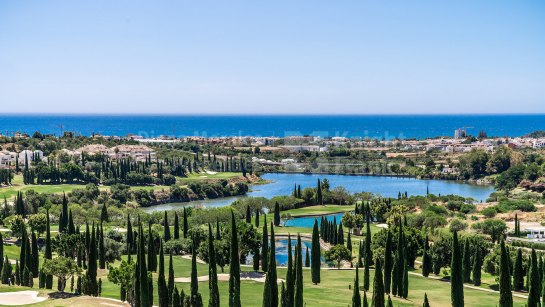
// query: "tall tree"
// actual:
[[518, 272], [248, 215], [35, 255], [270, 291], [101, 249], [298, 300], [506, 298], [477, 264], [170, 285], [162, 290], [466, 262], [319, 198], [196, 299], [176, 226], [185, 224], [315, 254], [152, 255], [142, 272], [388, 262], [234, 267], [426, 259], [368, 253], [290, 276], [356, 297], [534, 282], [214, 300], [456, 279], [276, 214], [378, 286], [166, 233], [48, 252], [129, 237], [265, 249], [257, 218]]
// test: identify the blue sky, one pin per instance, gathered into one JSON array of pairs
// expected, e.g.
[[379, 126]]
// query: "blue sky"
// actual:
[[327, 57]]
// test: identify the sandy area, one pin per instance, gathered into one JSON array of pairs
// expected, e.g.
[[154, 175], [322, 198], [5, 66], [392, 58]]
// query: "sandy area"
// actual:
[[255, 276], [21, 297], [385, 226], [188, 257]]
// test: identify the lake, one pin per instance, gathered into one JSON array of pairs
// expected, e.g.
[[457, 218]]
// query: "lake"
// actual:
[[282, 184]]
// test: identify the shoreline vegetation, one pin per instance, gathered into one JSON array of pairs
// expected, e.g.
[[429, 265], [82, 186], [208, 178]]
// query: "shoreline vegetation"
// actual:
[[74, 223]]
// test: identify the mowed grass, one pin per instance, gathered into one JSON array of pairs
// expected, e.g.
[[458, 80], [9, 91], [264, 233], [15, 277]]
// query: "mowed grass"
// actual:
[[19, 186], [332, 291], [207, 176]]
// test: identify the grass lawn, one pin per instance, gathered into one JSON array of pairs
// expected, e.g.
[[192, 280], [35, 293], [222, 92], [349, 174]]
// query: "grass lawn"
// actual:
[[17, 185], [319, 210], [332, 291], [205, 176]]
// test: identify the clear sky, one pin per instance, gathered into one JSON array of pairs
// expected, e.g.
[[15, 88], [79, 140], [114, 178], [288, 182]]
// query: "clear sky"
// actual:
[[314, 56]]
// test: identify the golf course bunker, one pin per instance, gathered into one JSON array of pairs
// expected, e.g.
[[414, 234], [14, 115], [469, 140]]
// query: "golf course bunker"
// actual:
[[21, 298]]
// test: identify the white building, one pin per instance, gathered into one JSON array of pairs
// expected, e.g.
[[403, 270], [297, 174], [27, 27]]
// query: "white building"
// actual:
[[537, 233], [28, 154]]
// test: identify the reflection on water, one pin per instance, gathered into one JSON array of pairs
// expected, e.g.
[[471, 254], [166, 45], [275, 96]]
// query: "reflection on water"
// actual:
[[282, 184]]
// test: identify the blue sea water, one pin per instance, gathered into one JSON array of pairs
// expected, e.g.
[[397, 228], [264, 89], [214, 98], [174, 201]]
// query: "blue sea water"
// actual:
[[379, 126]]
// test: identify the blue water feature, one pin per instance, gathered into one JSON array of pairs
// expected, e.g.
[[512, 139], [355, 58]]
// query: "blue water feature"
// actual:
[[308, 221], [282, 184], [282, 250]]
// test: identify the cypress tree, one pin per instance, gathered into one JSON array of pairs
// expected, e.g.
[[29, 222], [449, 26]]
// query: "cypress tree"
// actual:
[[170, 286], [71, 228], [214, 300], [276, 214], [257, 218], [426, 259], [378, 286], [129, 238], [166, 234], [368, 254], [534, 283], [270, 291], [365, 303], [356, 297], [506, 298], [456, 279], [196, 299], [315, 253], [248, 215], [104, 214], [234, 267], [319, 200], [298, 300], [388, 262], [35, 255], [142, 272], [283, 296], [265, 249], [405, 293], [176, 298], [91, 275], [186, 225], [349, 243], [17, 273], [340, 234], [176, 226], [162, 291], [477, 264], [307, 258], [466, 262], [102, 250], [63, 222], [6, 271], [22, 254], [152, 255], [47, 252], [394, 278], [426, 303], [518, 272], [290, 276], [400, 260]]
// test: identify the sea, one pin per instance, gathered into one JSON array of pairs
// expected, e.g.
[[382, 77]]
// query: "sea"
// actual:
[[373, 126]]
